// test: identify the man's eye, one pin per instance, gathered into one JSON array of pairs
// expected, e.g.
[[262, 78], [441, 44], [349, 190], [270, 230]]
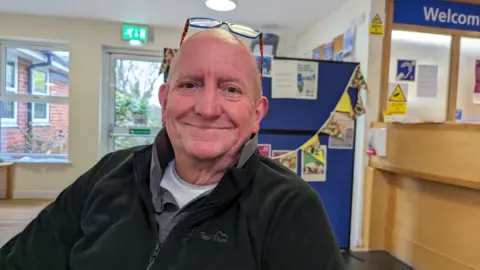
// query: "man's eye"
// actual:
[[232, 90], [188, 85]]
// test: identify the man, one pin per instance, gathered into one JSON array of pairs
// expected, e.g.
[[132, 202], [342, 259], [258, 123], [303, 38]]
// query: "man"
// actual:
[[200, 197]]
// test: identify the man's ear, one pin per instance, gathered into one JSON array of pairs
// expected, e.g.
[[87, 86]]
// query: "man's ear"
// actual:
[[162, 98], [260, 112]]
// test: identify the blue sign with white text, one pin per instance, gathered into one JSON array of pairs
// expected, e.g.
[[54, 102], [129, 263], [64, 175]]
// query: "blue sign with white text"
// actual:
[[406, 70], [436, 13], [458, 114]]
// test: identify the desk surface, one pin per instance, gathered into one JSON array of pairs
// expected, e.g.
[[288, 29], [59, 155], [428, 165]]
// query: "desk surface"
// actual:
[[5, 164]]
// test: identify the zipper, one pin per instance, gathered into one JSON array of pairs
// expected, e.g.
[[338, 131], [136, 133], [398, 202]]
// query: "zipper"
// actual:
[[154, 255]]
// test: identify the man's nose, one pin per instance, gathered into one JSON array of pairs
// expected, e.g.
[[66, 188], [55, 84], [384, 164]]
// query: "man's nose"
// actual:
[[207, 103]]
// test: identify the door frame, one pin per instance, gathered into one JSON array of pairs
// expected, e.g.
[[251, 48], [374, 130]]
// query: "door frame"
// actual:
[[107, 97]]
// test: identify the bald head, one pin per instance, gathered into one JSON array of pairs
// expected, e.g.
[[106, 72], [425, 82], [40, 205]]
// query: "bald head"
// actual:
[[218, 40]]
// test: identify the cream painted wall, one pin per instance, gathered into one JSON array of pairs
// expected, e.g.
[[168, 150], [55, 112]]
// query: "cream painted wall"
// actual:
[[85, 40], [368, 52]]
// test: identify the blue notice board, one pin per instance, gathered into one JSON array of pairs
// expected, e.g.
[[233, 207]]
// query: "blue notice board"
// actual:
[[290, 123], [437, 13]]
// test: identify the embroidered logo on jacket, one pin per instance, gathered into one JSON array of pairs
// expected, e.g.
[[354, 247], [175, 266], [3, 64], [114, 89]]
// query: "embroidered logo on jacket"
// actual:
[[218, 237]]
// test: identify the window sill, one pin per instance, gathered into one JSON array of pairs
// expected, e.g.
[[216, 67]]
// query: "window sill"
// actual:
[[40, 124], [42, 162], [9, 125]]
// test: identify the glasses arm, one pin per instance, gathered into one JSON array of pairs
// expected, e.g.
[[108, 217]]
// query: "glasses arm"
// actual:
[[185, 30], [261, 57]]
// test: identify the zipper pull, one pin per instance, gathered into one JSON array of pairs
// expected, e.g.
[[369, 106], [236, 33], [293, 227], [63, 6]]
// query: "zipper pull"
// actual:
[[153, 257]]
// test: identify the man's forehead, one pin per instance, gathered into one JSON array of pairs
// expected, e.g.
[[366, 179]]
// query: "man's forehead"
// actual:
[[217, 34]]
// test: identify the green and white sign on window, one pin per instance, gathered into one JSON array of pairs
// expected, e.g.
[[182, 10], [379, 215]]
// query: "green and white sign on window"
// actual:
[[132, 32]]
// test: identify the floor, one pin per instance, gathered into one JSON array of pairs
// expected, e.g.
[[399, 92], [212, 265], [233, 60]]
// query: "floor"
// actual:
[[15, 215], [373, 260]]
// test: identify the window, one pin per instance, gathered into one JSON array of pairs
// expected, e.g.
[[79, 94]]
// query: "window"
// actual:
[[40, 86], [35, 99], [9, 108], [420, 64], [468, 92], [134, 113]]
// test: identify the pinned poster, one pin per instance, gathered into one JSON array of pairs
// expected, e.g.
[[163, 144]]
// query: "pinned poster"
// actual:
[[313, 168], [397, 101], [427, 85], [287, 158], [377, 28], [349, 41], [319, 53], [338, 48], [264, 149], [295, 79], [345, 140], [476, 90], [266, 67], [406, 70], [329, 51]]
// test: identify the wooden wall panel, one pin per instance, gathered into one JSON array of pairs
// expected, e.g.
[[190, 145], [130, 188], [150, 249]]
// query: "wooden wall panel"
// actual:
[[432, 225], [422, 202], [447, 153]]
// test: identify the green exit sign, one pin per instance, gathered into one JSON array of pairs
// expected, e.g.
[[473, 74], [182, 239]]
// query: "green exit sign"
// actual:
[[132, 32]]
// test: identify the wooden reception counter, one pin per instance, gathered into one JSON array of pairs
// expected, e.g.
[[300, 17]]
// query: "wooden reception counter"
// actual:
[[422, 201]]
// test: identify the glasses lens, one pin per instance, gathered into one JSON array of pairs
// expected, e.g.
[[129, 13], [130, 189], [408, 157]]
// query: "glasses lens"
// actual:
[[244, 30], [204, 22]]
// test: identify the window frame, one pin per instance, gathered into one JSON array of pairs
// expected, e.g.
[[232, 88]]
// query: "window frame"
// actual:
[[31, 49], [40, 121], [11, 122]]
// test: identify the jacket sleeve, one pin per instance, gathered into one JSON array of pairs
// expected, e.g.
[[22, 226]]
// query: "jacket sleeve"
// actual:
[[300, 236], [47, 240]]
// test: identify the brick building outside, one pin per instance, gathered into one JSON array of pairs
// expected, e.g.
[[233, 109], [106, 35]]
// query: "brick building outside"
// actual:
[[36, 128]]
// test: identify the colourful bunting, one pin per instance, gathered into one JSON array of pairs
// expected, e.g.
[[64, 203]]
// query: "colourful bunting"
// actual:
[[358, 81]]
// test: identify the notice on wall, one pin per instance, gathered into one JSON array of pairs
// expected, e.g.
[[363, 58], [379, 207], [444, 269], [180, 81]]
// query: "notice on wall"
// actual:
[[294, 79], [287, 158], [264, 67], [346, 140], [397, 98], [427, 85], [264, 149], [314, 167], [377, 28], [476, 91]]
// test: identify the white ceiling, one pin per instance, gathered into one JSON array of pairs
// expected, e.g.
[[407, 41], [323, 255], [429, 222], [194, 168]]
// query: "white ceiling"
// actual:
[[279, 16]]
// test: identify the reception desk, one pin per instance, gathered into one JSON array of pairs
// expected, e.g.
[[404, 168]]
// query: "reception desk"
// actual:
[[422, 201]]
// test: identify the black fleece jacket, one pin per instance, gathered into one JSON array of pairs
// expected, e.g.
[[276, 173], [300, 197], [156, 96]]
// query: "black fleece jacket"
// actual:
[[260, 216]]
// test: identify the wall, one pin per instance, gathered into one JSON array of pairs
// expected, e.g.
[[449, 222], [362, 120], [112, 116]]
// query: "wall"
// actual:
[[85, 46], [425, 210], [368, 52]]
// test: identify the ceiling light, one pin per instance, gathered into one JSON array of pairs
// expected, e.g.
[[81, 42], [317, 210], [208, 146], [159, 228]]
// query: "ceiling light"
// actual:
[[221, 5]]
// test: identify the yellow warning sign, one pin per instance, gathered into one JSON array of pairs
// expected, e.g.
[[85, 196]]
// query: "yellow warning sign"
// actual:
[[377, 20], [397, 95], [395, 107], [376, 26]]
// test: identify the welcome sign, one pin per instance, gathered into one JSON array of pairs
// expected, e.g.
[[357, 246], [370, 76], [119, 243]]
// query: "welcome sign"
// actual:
[[438, 13]]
